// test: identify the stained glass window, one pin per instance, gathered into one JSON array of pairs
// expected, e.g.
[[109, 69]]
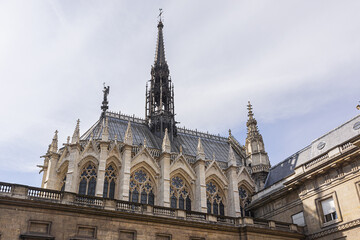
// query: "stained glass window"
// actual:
[[215, 199], [88, 180], [244, 200], [109, 182], [141, 188], [180, 194]]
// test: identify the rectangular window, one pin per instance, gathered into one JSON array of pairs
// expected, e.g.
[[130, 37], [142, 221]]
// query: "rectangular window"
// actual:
[[127, 235], [298, 219], [328, 209], [163, 237], [86, 231]]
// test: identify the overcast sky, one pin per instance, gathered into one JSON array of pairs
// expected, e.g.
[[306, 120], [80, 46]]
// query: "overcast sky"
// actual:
[[297, 61]]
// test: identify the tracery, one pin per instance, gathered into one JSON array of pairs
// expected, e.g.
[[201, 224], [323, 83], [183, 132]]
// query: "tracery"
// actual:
[[180, 194], [215, 199], [88, 180], [110, 182], [141, 188], [244, 199]]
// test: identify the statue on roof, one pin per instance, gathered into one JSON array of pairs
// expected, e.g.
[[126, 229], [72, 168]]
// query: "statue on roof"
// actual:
[[105, 102]]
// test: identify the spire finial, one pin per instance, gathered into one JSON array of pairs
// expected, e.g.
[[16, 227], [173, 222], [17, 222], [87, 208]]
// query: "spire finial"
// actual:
[[250, 113], [160, 13], [229, 132], [105, 102], [358, 106], [76, 135], [181, 150], [145, 143]]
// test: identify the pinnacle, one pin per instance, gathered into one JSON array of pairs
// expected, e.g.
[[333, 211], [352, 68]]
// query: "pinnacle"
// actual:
[[128, 138], [76, 135], [166, 145], [200, 151]]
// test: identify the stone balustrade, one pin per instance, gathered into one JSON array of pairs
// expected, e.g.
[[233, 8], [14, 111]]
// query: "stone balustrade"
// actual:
[[67, 198]]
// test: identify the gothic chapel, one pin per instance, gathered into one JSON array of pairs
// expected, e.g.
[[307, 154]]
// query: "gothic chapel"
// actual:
[[132, 178], [153, 161]]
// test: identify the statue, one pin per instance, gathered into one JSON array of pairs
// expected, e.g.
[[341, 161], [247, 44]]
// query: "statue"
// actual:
[[105, 102]]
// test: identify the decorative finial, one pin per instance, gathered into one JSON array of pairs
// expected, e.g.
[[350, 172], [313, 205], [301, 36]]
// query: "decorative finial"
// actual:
[[181, 150], [128, 138], [200, 154], [145, 143], [105, 102], [161, 12], [213, 156], [249, 107], [166, 145], [358, 106], [229, 132], [76, 135], [68, 140]]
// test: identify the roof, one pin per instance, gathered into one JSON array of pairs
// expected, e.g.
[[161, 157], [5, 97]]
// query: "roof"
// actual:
[[319, 146], [188, 139]]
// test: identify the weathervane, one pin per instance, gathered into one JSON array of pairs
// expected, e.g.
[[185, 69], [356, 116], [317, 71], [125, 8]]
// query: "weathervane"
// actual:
[[161, 12], [105, 102]]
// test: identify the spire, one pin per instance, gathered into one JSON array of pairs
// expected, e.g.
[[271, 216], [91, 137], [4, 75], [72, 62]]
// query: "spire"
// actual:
[[76, 135], [166, 145], [159, 106], [200, 154], [54, 143], [105, 133], [251, 123], [128, 138], [231, 158], [160, 50]]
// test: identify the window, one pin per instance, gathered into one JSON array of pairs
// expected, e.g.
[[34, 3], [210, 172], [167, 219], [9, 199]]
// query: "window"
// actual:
[[109, 182], [214, 199], [298, 219], [244, 200], [127, 235], [180, 194], [328, 209], [141, 188], [163, 237], [88, 180], [86, 232]]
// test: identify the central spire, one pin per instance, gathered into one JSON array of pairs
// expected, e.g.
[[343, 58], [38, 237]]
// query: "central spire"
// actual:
[[159, 107], [160, 50]]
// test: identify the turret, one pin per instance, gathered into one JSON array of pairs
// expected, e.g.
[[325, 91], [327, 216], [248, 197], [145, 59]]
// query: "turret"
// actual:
[[256, 157]]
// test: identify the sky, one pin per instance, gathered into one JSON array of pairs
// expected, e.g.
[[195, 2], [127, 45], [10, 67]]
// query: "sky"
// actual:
[[296, 61]]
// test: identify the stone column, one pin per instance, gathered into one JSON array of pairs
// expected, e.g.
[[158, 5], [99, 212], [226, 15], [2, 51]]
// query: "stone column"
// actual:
[[72, 175], [163, 198], [233, 204], [125, 174], [100, 178], [200, 187]]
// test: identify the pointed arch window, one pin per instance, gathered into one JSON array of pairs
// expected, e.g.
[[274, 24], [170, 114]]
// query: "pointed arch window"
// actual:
[[180, 194], [88, 180], [141, 188], [244, 199], [110, 182], [215, 199]]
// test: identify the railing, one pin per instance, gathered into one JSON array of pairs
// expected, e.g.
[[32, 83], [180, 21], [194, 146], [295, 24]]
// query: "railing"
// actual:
[[224, 219], [201, 134], [129, 207], [43, 193], [346, 145], [125, 117], [155, 153], [261, 223], [197, 216], [67, 198], [89, 201], [317, 161], [5, 187], [164, 211]]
